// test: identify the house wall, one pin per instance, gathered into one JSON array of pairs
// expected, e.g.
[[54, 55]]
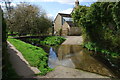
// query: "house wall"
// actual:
[[70, 31], [57, 24], [65, 29], [75, 31]]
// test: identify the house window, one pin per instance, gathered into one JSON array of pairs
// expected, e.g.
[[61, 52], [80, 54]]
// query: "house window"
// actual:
[[67, 18], [63, 21]]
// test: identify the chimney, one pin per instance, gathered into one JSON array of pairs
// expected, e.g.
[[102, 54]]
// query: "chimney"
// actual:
[[76, 4]]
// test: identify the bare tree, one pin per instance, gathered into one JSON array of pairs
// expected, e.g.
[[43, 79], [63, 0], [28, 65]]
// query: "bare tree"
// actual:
[[8, 7]]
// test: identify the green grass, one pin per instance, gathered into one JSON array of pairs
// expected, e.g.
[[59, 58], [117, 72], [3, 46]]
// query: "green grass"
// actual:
[[36, 56], [53, 41]]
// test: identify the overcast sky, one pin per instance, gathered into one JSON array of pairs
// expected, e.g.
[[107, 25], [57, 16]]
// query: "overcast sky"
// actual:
[[52, 7]]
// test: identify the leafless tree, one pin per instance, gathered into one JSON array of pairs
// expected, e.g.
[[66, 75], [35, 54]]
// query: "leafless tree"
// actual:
[[8, 7]]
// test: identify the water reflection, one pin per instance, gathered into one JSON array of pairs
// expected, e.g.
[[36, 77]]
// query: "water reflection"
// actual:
[[53, 60], [76, 57]]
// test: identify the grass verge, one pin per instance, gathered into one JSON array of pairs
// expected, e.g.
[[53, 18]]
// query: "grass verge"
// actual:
[[36, 56]]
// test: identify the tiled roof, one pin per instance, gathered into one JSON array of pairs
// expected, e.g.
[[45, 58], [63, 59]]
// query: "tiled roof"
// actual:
[[64, 15]]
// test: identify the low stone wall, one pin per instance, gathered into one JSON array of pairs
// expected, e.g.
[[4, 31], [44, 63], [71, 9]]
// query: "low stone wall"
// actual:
[[75, 31], [64, 32]]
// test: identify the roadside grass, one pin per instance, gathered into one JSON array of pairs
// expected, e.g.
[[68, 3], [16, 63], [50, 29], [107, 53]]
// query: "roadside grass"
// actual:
[[36, 56]]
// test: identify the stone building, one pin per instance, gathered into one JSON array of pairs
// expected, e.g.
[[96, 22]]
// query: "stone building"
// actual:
[[64, 26]]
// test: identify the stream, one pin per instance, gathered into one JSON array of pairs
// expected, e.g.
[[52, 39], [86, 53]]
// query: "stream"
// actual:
[[53, 60], [75, 56]]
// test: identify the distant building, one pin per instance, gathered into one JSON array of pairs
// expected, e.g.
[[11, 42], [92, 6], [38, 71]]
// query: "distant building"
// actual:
[[64, 26]]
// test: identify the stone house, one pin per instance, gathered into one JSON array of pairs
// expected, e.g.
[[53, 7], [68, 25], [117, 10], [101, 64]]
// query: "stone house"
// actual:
[[64, 26], [59, 21]]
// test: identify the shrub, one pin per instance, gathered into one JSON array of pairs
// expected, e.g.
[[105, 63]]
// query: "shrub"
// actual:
[[53, 41], [100, 24], [93, 47]]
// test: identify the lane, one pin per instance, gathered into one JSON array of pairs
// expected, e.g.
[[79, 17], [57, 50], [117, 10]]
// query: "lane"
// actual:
[[73, 40]]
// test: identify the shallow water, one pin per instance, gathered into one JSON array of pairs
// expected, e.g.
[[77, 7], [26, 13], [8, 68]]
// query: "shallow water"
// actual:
[[75, 56]]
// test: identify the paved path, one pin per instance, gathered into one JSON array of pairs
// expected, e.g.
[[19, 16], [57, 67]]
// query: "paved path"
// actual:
[[73, 40]]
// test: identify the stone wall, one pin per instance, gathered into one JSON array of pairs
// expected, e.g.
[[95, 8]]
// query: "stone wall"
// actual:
[[76, 31], [65, 29], [57, 24], [71, 31]]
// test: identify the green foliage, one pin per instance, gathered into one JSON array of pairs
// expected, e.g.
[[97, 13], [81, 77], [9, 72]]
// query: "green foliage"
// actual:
[[90, 46], [79, 19], [101, 24], [33, 40], [28, 19], [53, 41], [79, 13], [93, 47], [36, 56]]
